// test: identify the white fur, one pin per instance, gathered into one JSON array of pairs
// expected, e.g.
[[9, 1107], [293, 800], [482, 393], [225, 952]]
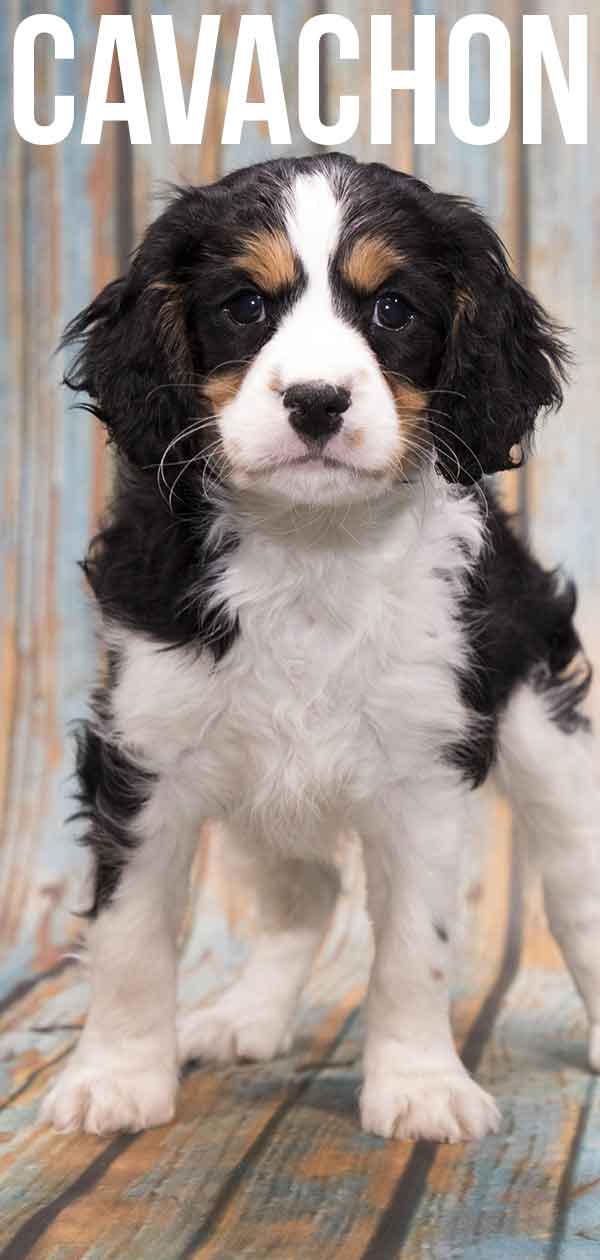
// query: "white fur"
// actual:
[[254, 1018], [329, 711], [342, 680], [123, 1073]]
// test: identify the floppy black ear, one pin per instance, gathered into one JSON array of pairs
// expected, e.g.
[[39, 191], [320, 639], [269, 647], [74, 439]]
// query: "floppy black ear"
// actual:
[[133, 361], [504, 359]]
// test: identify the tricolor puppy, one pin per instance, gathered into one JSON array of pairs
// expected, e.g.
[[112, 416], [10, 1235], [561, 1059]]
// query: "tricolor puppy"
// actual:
[[317, 618]]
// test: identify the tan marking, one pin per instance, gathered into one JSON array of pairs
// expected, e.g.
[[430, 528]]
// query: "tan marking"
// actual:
[[414, 437], [437, 973], [370, 262], [407, 397], [466, 308], [268, 258], [275, 383], [222, 388], [355, 438], [577, 669]]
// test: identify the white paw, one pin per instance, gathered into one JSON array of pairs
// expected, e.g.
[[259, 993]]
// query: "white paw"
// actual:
[[441, 1107], [100, 1099], [234, 1027]]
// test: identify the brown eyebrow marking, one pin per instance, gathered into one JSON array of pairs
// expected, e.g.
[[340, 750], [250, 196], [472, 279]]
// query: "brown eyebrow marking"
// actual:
[[369, 262], [269, 260], [413, 434]]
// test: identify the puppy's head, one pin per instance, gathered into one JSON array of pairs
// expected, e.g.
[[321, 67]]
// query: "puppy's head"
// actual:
[[312, 329]]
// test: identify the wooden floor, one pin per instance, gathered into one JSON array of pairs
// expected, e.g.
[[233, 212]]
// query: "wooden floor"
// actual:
[[270, 1161]]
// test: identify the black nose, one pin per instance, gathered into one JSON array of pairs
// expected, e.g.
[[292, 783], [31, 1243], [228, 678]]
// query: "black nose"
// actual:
[[316, 409]]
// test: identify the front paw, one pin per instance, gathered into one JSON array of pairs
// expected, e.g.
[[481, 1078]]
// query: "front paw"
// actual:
[[234, 1027], [100, 1098], [439, 1107]]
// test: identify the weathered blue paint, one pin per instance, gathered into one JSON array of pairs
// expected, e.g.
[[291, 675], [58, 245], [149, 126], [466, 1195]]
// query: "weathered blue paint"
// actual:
[[563, 266]]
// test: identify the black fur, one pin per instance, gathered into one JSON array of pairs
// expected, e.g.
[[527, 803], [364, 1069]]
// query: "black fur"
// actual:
[[504, 360], [481, 344], [519, 622], [112, 789], [148, 344], [151, 568], [146, 347]]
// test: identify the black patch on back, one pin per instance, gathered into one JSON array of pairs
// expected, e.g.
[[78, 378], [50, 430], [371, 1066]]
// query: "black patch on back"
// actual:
[[518, 619]]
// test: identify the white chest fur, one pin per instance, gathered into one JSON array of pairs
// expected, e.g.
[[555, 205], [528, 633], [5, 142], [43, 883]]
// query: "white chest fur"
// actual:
[[343, 675]]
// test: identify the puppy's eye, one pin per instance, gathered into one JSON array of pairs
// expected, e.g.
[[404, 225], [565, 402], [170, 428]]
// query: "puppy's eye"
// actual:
[[246, 308], [391, 311]]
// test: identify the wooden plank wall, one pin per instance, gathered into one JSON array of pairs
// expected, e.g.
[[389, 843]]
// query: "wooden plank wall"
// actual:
[[562, 258], [69, 214], [59, 235]]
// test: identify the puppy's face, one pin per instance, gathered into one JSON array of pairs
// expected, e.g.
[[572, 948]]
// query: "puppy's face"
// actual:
[[334, 336], [312, 329]]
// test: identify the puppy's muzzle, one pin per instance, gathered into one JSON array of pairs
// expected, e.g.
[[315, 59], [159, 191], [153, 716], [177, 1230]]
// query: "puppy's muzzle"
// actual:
[[315, 410]]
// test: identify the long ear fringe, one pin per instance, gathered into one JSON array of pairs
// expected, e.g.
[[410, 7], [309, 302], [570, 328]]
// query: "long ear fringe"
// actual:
[[505, 361], [122, 353], [103, 310]]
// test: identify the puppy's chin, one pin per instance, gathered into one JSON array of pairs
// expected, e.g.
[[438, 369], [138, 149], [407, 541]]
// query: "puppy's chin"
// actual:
[[314, 483]]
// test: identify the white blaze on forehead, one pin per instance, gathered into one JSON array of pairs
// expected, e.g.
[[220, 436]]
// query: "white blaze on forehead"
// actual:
[[313, 224], [313, 342]]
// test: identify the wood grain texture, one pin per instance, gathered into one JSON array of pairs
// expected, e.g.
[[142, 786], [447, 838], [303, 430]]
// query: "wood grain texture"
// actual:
[[563, 266], [157, 165], [12, 344], [353, 78], [51, 480], [270, 1160]]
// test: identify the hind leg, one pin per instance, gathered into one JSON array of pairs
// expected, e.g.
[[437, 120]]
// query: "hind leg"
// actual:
[[549, 768], [254, 1017]]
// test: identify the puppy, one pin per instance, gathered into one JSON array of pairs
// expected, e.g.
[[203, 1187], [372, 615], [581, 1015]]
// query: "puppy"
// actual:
[[316, 618]]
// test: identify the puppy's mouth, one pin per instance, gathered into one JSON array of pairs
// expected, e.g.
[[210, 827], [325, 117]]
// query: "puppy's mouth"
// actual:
[[316, 461]]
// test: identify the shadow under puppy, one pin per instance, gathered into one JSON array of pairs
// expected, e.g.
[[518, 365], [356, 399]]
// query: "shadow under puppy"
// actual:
[[317, 618]]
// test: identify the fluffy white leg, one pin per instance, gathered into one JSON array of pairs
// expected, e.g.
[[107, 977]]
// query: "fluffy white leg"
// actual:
[[123, 1072], [553, 779], [254, 1018], [415, 1084]]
